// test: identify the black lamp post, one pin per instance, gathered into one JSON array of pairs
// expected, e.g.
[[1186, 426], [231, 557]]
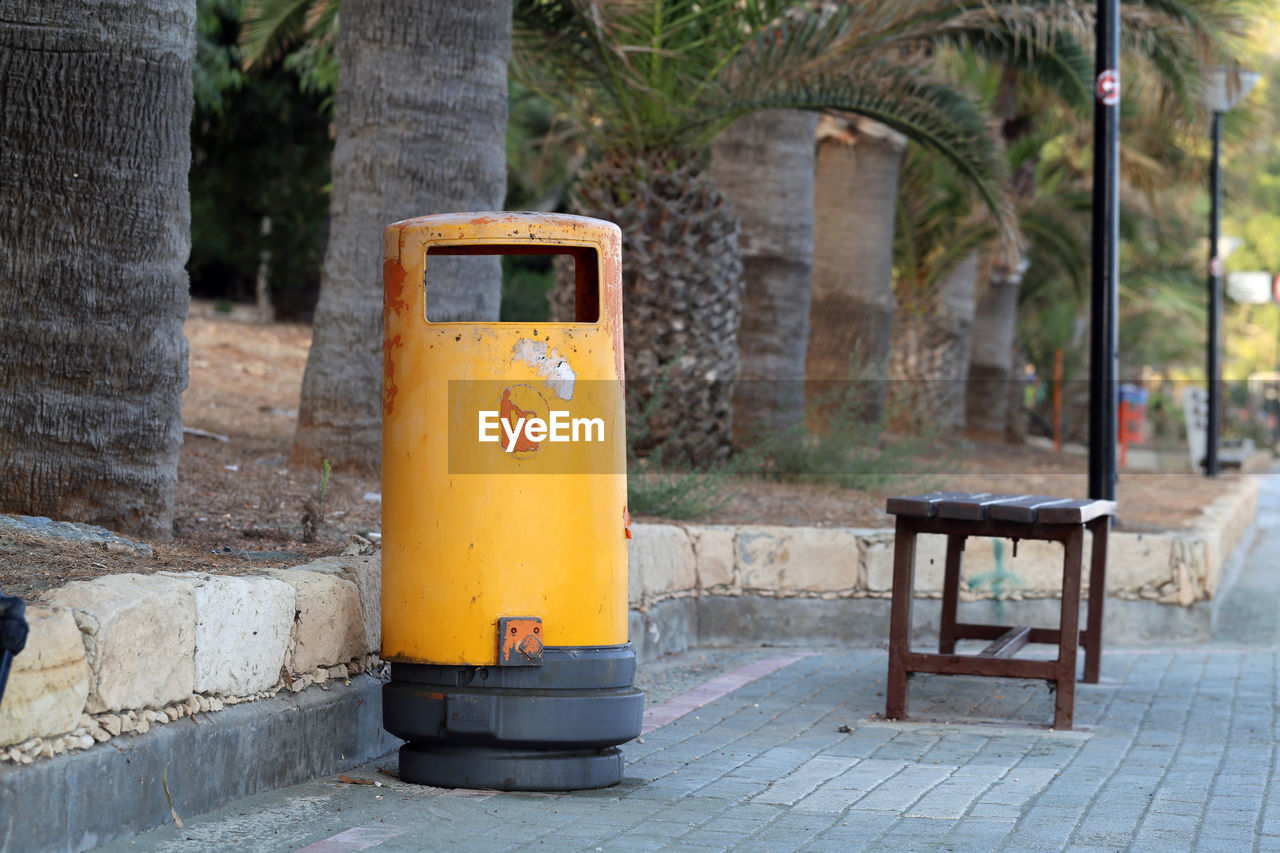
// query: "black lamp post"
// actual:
[[1104, 302], [1223, 90]]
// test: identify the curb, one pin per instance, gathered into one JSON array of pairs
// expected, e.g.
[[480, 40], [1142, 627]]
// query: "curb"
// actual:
[[84, 799]]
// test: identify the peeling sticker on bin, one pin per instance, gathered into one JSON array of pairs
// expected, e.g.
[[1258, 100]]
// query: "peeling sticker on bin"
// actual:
[[550, 365]]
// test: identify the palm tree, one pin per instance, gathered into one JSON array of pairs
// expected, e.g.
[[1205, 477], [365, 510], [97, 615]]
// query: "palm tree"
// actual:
[[1165, 44], [938, 245], [657, 81], [765, 165], [94, 234], [421, 117], [853, 306]]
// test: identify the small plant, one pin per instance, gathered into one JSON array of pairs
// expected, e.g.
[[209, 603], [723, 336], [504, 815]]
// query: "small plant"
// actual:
[[313, 510], [848, 446]]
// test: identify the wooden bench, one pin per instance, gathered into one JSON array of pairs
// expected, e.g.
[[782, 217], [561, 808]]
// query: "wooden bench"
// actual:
[[959, 515]]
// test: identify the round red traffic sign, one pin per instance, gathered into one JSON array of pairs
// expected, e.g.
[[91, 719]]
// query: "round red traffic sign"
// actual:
[[1275, 287], [1108, 88]]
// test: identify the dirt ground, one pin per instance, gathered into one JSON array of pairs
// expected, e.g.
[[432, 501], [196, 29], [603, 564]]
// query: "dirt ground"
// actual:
[[240, 508]]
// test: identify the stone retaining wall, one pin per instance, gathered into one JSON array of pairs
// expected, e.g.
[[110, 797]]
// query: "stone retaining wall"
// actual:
[[695, 584], [122, 653]]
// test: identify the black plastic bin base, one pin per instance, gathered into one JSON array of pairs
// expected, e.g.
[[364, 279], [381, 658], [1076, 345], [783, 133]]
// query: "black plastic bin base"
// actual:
[[510, 769], [554, 727]]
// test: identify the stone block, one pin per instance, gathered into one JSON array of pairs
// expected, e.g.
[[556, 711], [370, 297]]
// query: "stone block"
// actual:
[[242, 631], [713, 552], [366, 573], [798, 559], [49, 680], [328, 624], [1037, 568], [931, 551], [1135, 560], [660, 561], [139, 633]]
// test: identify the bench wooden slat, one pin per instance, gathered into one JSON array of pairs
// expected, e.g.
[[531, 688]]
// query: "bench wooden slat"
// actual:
[[972, 507], [926, 505], [1008, 644], [1024, 509], [1076, 512]]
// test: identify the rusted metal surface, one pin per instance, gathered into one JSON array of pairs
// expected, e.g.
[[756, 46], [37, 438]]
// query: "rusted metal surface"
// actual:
[[960, 515], [904, 558], [476, 528], [1091, 638], [520, 641], [950, 593]]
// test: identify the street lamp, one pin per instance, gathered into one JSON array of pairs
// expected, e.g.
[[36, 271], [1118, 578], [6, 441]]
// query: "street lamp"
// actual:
[[1223, 90]]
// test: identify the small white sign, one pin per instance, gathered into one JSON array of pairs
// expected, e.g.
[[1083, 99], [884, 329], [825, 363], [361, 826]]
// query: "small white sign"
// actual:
[[1251, 288]]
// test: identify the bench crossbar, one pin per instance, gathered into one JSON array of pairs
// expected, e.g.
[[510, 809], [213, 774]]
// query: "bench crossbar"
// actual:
[[1007, 644]]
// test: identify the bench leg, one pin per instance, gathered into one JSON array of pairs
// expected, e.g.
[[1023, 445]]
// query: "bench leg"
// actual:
[[1068, 631], [904, 558], [950, 592], [1097, 597]]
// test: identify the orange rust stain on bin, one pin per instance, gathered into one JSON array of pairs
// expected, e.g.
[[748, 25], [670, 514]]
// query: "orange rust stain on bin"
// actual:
[[393, 285], [389, 388]]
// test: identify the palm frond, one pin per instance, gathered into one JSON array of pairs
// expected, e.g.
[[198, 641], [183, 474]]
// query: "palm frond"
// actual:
[[271, 27], [928, 112], [1063, 67]]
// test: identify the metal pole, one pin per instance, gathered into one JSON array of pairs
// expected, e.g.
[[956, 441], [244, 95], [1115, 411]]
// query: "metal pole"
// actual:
[[1214, 367], [1104, 301]]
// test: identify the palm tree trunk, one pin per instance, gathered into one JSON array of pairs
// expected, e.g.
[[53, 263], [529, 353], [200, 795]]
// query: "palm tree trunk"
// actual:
[[681, 299], [991, 366], [95, 115], [852, 303], [421, 120], [764, 164], [931, 351]]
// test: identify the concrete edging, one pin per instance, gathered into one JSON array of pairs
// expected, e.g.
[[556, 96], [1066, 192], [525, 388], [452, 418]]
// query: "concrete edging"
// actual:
[[698, 585], [81, 800]]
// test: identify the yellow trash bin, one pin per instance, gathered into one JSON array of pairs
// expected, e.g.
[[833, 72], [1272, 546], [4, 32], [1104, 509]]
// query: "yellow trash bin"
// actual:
[[504, 518]]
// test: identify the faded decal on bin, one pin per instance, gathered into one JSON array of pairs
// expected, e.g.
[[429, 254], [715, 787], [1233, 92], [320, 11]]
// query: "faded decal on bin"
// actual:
[[550, 365]]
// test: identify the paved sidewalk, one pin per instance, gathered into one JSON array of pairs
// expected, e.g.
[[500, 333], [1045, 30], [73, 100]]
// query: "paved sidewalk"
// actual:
[[1176, 749]]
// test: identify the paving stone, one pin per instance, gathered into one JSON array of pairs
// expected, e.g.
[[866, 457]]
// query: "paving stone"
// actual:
[[796, 785]]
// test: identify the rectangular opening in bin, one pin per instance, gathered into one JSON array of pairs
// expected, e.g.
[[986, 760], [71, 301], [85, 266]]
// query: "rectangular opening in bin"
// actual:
[[528, 278]]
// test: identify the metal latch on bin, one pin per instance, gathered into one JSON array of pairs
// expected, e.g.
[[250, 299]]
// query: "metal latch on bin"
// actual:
[[520, 641]]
